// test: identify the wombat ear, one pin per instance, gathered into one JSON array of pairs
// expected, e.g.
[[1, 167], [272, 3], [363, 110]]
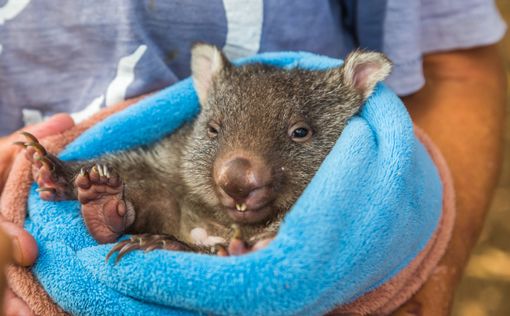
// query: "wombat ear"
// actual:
[[362, 70], [206, 62]]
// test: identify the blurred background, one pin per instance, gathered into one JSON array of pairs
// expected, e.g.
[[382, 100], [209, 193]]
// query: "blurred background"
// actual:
[[485, 288]]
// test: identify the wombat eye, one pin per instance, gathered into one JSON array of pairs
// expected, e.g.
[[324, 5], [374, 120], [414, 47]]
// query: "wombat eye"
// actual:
[[213, 129], [300, 132]]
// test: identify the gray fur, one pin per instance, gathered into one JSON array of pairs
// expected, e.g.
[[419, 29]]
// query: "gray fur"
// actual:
[[171, 185]]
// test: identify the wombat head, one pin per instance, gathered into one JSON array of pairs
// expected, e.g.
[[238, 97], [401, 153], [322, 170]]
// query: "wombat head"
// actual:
[[263, 131]]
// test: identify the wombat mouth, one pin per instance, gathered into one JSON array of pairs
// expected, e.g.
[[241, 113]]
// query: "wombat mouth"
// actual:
[[242, 215]]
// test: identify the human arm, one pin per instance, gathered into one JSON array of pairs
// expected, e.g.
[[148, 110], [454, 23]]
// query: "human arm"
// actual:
[[462, 108]]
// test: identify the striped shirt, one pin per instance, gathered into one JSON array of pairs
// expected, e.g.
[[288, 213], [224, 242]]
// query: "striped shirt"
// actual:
[[80, 56]]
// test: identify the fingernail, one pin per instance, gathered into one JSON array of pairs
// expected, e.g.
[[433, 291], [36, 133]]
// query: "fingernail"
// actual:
[[12, 232], [16, 250]]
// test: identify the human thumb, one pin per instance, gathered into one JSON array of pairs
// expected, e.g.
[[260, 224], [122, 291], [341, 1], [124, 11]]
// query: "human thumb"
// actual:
[[54, 125]]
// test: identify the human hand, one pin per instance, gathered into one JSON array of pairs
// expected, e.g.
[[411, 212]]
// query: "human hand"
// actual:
[[16, 244], [12, 304], [53, 125]]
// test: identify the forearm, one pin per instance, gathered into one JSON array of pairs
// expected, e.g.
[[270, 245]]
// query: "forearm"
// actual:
[[472, 82], [462, 108]]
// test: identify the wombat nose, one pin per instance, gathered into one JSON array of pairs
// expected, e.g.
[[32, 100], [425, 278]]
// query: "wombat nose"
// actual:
[[238, 177]]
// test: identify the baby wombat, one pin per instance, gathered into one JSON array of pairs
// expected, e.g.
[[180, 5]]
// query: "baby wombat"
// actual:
[[261, 135]]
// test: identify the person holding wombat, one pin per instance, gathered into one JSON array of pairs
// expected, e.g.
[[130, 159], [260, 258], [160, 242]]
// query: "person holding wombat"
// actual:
[[153, 57]]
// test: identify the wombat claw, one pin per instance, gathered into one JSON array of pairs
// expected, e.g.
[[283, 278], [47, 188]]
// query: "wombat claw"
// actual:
[[33, 142], [146, 242], [237, 245], [39, 190], [52, 184], [30, 137], [47, 162]]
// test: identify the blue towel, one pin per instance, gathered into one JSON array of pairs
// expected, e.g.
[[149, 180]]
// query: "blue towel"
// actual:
[[370, 209]]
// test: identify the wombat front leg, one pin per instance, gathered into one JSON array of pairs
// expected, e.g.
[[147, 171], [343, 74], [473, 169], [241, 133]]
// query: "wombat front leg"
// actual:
[[148, 242], [239, 246], [98, 188], [51, 174], [105, 210]]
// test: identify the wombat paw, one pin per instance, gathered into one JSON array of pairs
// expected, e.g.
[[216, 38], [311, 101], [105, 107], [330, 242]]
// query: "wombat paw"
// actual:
[[146, 242], [238, 246], [105, 211], [47, 170]]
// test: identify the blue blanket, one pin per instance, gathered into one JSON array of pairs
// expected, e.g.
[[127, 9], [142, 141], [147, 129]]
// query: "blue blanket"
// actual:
[[370, 209]]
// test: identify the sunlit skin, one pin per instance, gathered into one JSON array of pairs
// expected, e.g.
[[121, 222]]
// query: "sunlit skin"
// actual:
[[462, 108]]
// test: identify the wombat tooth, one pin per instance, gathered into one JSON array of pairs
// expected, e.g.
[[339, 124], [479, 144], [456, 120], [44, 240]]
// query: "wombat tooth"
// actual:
[[241, 207]]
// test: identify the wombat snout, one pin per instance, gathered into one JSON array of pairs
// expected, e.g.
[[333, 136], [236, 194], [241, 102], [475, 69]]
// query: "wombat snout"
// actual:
[[245, 186]]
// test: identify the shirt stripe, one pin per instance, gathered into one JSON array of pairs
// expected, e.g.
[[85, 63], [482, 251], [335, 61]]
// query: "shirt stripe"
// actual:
[[244, 22]]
